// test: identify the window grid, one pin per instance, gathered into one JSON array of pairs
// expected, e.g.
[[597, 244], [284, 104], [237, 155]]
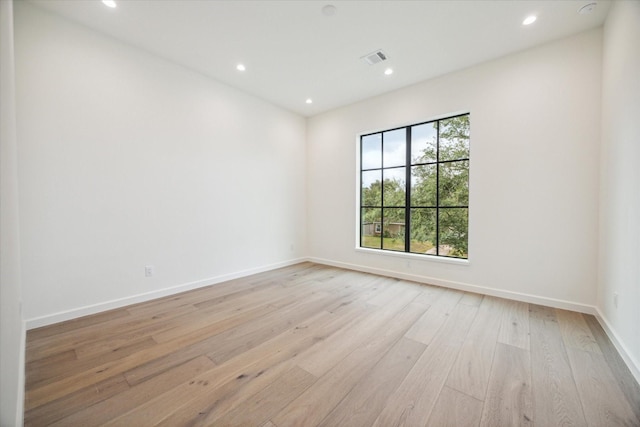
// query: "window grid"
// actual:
[[409, 165]]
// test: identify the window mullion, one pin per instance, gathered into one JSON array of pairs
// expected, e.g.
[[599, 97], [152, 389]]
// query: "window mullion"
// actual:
[[437, 188], [407, 203], [382, 190]]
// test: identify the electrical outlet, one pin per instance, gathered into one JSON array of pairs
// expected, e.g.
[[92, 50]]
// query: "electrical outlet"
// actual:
[[148, 271], [615, 299]]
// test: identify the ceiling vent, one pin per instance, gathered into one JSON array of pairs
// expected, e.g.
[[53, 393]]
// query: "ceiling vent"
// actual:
[[375, 57]]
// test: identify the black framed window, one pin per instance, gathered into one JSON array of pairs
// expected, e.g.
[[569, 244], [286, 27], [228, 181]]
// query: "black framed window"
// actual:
[[414, 188]]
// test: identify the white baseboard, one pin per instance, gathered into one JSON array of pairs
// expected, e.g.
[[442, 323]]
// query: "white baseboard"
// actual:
[[517, 296], [134, 299], [629, 360]]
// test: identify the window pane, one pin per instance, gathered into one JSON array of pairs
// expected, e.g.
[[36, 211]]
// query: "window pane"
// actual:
[[372, 151], [423, 231], [393, 229], [454, 138], [371, 230], [424, 143], [454, 183], [437, 188], [453, 232], [395, 187], [372, 188], [423, 185], [395, 148]]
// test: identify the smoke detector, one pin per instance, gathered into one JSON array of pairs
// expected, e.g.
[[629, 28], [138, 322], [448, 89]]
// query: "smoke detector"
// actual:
[[375, 57]]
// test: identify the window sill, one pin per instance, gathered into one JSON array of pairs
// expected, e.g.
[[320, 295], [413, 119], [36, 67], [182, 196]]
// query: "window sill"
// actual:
[[417, 257]]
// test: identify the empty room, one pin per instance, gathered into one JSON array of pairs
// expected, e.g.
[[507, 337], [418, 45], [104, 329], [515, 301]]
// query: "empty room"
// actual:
[[315, 213]]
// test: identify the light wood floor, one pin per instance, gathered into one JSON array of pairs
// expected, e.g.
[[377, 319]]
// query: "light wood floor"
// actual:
[[313, 345]]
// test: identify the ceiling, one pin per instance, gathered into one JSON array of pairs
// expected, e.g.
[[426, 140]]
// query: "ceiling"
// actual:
[[293, 51]]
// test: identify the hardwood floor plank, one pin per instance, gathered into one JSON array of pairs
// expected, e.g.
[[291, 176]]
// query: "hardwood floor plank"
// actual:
[[108, 409], [312, 406], [263, 370], [38, 370], [361, 406], [470, 372], [412, 402], [362, 287], [221, 389], [209, 302], [67, 405], [508, 401], [38, 334], [390, 289], [555, 396], [514, 329], [101, 332], [240, 339], [113, 340], [598, 390], [209, 338], [269, 400], [78, 380], [264, 301], [428, 295], [455, 409], [206, 297], [472, 299], [60, 371], [319, 360], [541, 312], [619, 369], [576, 332], [432, 320], [179, 350], [217, 293]]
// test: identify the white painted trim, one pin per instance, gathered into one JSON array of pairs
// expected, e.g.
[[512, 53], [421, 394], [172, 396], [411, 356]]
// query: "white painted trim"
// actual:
[[516, 296], [629, 360], [417, 257], [134, 299], [415, 122]]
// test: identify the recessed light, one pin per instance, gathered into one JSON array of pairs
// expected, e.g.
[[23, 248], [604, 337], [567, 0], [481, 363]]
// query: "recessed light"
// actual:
[[388, 71], [309, 101], [529, 20], [240, 67], [109, 3]]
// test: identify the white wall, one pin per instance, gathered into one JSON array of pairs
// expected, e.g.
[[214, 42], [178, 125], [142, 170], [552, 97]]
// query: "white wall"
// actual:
[[12, 330], [535, 131], [127, 160], [620, 180]]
